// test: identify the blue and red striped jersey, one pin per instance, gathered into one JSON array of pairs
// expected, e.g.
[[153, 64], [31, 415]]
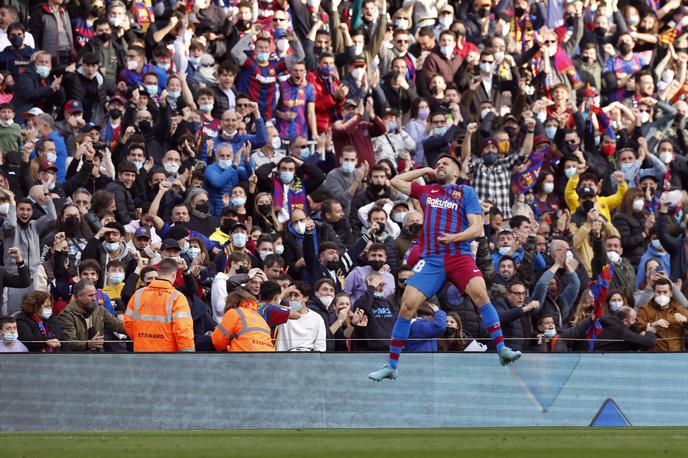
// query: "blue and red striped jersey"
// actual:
[[445, 211], [260, 83]]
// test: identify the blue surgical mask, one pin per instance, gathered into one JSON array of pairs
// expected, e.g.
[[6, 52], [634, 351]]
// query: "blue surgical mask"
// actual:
[[224, 163], [630, 170], [51, 157], [238, 201], [262, 57], [205, 107], [379, 294], [174, 95], [551, 131], [116, 278], [10, 337], [194, 60], [392, 126], [305, 152], [193, 252], [43, 71], [51, 186], [152, 89], [239, 240], [439, 131], [138, 164], [657, 245], [295, 305], [504, 250], [286, 177], [571, 171], [615, 305], [348, 167], [111, 247], [550, 333]]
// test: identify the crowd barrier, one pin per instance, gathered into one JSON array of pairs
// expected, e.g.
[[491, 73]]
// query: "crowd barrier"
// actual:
[[114, 392]]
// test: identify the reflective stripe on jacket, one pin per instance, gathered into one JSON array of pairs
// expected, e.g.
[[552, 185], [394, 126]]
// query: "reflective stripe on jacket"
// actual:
[[242, 329], [158, 319]]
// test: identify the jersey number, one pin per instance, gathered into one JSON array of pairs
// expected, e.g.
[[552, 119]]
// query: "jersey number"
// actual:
[[419, 266]]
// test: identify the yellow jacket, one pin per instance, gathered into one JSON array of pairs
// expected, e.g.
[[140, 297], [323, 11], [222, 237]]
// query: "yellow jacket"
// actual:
[[605, 204], [582, 244]]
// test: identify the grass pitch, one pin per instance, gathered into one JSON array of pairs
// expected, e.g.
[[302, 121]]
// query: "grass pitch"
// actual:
[[378, 443]]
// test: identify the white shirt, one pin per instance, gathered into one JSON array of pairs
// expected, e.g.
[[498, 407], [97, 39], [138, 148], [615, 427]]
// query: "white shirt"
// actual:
[[305, 334], [218, 293], [5, 41], [16, 347]]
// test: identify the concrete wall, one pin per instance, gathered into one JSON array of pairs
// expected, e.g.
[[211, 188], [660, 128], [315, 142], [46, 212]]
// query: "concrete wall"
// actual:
[[40, 392]]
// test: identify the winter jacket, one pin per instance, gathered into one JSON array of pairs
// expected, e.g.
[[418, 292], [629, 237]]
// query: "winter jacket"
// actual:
[[677, 247], [29, 331], [126, 209], [663, 257], [26, 237], [426, 329], [515, 323], [75, 325], [44, 27], [30, 90], [381, 319], [558, 307], [631, 228], [651, 312], [624, 273], [220, 181], [327, 108], [90, 92], [614, 329]]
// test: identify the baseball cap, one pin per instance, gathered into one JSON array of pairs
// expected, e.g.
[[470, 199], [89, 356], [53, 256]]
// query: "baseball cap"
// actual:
[[168, 244], [359, 61], [35, 111], [89, 126], [488, 141], [350, 103], [587, 191], [447, 9], [73, 106], [142, 232], [541, 139], [47, 165]]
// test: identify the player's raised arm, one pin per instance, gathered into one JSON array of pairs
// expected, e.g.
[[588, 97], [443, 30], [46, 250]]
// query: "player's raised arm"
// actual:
[[402, 182]]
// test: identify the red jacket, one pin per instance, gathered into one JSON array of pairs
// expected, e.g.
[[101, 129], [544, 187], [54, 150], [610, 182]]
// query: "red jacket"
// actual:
[[326, 106]]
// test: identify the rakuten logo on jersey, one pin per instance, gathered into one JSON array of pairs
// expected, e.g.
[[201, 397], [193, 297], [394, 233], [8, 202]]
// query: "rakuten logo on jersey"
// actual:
[[438, 203]]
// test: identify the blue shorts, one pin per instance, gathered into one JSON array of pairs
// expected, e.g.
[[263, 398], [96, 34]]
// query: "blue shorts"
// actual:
[[430, 273]]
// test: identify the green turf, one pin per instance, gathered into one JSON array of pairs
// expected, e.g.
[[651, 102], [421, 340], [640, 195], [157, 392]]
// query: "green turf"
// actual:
[[421, 443]]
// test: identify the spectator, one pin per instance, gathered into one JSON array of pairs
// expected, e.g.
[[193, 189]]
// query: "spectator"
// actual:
[[430, 324], [38, 327], [308, 333], [10, 336], [379, 314], [516, 316], [356, 284]]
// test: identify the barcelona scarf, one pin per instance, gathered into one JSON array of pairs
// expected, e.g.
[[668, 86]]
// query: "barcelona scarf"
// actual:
[[564, 65], [604, 125], [523, 182], [599, 289], [296, 194]]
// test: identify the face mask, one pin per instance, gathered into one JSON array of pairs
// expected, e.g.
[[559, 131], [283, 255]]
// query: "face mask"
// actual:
[[9, 337], [392, 126], [657, 245], [624, 48], [152, 90], [633, 20], [504, 250], [7, 123], [164, 67], [423, 113], [529, 90], [447, 50], [111, 247], [300, 227], [224, 163], [43, 71], [613, 256], [115, 21], [662, 301], [644, 117], [401, 24], [132, 65], [171, 167], [305, 153], [286, 177], [193, 252], [490, 158], [239, 240], [115, 113], [499, 56], [379, 294], [358, 73], [348, 167], [551, 131], [205, 107], [615, 305], [485, 112], [326, 300], [265, 209], [439, 131], [550, 333], [483, 12], [358, 49], [446, 20], [376, 265], [332, 265], [399, 217], [208, 73], [16, 41], [89, 308], [282, 45], [5, 208], [415, 229], [552, 50], [571, 171], [46, 313], [609, 150], [666, 156], [295, 305], [486, 67], [242, 270], [116, 278], [144, 126], [279, 249], [194, 60], [51, 157], [638, 205], [548, 188], [276, 142], [202, 208], [262, 57], [138, 164], [174, 95], [238, 201], [518, 12]]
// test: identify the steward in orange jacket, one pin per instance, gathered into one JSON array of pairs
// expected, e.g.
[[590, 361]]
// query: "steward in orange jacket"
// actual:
[[158, 318], [242, 328]]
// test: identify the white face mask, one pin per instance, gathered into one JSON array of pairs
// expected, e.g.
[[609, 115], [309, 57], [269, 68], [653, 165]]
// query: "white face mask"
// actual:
[[132, 65], [326, 300], [499, 56], [358, 49], [615, 305], [666, 156], [276, 142], [644, 117], [571, 171], [613, 256], [279, 249], [46, 313], [399, 217], [662, 301], [171, 167], [638, 205], [548, 188], [550, 333], [300, 227], [358, 73], [667, 76], [264, 254], [282, 45], [552, 50]]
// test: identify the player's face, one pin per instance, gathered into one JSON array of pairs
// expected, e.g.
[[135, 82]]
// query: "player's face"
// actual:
[[446, 171]]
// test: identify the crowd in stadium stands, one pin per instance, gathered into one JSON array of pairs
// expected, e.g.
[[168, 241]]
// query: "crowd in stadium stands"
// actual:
[[253, 142]]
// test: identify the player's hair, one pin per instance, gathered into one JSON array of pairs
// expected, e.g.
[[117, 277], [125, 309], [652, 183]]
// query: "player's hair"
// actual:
[[302, 288], [269, 290]]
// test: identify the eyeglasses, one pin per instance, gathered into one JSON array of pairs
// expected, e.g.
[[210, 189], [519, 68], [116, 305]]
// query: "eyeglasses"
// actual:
[[551, 42], [243, 105], [402, 41], [518, 293]]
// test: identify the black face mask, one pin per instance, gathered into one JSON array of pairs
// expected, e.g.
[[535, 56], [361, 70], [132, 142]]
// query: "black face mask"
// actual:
[[202, 208], [483, 12], [265, 209], [490, 158], [518, 12], [624, 48], [600, 31], [415, 229], [71, 224], [376, 265], [97, 11], [376, 188], [449, 332], [511, 132], [144, 126], [242, 270], [243, 25], [87, 309], [227, 225], [104, 37], [332, 265], [115, 113]]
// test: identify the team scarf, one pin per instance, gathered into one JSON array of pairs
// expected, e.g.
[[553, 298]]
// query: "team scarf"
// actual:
[[603, 124], [564, 65], [599, 289], [296, 194], [300, 237], [523, 182], [523, 32], [45, 330]]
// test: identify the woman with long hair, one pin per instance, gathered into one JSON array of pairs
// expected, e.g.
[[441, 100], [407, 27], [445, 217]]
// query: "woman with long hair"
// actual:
[[38, 328], [453, 338], [633, 225], [417, 127]]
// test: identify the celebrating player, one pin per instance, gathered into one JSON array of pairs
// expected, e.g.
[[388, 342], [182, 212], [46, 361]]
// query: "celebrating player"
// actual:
[[452, 219]]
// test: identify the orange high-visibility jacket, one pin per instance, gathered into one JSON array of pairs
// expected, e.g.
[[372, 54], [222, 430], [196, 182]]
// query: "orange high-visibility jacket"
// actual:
[[158, 319], [243, 329]]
